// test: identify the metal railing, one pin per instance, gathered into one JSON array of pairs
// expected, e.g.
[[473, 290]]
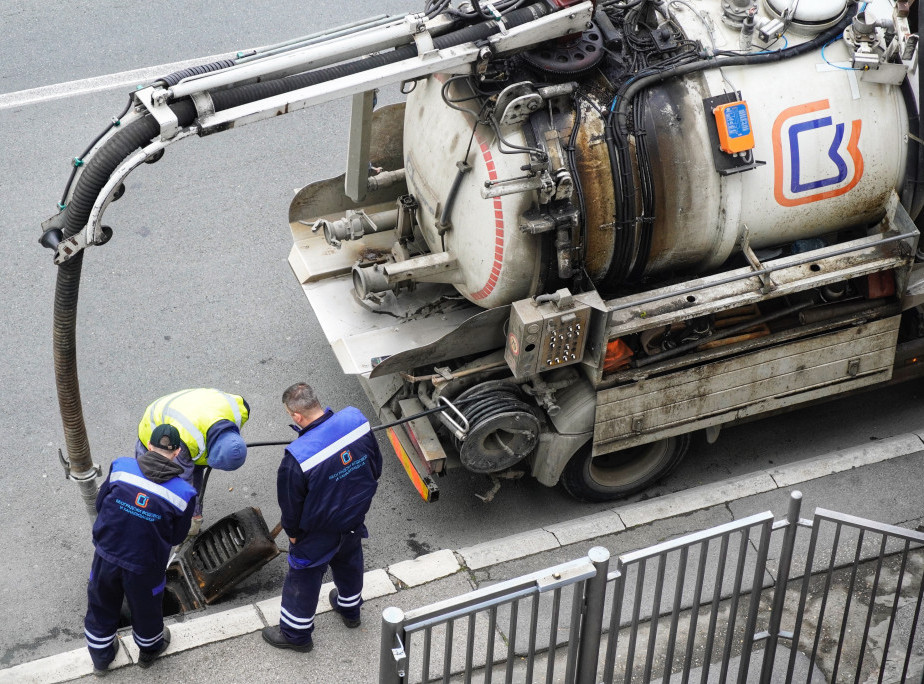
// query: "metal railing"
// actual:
[[834, 598]]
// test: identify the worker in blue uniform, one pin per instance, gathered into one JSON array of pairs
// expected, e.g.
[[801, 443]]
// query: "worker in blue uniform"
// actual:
[[325, 485], [143, 509], [209, 422]]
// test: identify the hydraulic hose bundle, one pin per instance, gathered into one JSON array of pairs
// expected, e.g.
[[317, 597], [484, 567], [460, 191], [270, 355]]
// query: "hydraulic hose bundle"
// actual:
[[139, 133]]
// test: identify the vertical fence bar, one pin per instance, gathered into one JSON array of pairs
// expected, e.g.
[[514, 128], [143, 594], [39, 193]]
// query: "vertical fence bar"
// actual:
[[592, 620], [655, 613], [425, 654], [694, 613], [489, 648], [574, 631], [750, 624], [470, 648], [531, 646], [898, 594], [675, 614], [636, 610], [447, 651], [847, 604], [824, 598], [553, 635], [872, 604], [733, 607], [800, 611], [779, 591], [390, 669], [512, 640], [619, 585], [714, 614]]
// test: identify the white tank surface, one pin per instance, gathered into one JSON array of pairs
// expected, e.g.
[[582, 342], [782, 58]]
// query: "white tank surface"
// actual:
[[829, 145], [496, 263]]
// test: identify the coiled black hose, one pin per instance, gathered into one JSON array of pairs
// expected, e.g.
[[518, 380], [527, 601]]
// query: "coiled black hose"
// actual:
[[138, 134]]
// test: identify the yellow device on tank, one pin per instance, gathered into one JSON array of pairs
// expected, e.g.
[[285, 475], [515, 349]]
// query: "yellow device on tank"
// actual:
[[734, 124]]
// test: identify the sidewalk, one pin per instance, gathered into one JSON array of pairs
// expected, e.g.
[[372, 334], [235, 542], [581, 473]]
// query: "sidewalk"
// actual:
[[880, 480]]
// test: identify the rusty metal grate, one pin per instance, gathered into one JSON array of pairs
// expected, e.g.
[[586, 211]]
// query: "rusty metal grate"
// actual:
[[219, 544]]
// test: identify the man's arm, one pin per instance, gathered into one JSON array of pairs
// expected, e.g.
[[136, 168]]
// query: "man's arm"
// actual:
[[291, 491]]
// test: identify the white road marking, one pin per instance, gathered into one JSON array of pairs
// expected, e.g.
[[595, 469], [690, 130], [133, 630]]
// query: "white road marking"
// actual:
[[123, 79]]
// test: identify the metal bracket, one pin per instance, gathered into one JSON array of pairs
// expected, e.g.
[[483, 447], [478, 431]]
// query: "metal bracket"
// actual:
[[155, 101], [94, 471], [461, 431], [400, 656], [767, 284], [203, 102], [422, 37]]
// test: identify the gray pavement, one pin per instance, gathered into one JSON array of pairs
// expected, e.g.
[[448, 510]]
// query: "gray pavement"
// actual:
[[224, 645]]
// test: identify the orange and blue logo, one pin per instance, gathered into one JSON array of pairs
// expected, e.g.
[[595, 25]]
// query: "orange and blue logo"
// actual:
[[141, 500], [346, 457], [800, 174]]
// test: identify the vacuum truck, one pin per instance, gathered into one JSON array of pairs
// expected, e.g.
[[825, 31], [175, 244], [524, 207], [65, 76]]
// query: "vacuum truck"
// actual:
[[586, 230]]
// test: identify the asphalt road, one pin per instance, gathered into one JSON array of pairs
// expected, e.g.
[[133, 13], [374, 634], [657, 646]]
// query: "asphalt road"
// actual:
[[194, 290]]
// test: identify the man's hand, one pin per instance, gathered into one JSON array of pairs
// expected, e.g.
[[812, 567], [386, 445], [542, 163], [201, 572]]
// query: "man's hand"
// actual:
[[292, 539]]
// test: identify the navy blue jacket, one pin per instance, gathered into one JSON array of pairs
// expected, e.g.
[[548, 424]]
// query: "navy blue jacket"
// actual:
[[140, 520], [326, 482]]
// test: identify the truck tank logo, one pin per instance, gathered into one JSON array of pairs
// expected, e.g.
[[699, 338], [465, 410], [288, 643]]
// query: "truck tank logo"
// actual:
[[801, 174]]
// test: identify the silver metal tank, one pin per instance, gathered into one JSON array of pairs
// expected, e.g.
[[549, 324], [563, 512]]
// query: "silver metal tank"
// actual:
[[830, 146]]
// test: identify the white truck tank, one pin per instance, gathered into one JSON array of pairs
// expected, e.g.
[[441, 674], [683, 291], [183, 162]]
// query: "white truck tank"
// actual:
[[828, 147]]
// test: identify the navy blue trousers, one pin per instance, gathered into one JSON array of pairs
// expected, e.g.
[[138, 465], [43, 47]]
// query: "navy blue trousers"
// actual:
[[145, 595], [303, 584]]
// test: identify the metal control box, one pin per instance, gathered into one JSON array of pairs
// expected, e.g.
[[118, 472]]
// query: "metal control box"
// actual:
[[545, 336]]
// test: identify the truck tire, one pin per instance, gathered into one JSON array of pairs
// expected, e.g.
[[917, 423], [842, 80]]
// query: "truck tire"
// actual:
[[618, 474]]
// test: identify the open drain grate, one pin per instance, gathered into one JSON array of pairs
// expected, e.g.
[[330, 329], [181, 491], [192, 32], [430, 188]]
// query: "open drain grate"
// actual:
[[218, 544]]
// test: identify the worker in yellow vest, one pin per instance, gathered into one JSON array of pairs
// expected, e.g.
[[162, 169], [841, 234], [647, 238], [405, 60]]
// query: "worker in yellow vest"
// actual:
[[209, 422]]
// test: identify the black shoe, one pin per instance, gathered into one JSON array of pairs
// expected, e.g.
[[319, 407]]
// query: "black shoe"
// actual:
[[145, 658], [103, 671], [352, 623], [274, 637]]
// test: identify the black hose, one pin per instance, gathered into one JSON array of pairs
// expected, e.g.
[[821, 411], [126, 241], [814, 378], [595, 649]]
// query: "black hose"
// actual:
[[138, 134], [198, 70], [718, 63]]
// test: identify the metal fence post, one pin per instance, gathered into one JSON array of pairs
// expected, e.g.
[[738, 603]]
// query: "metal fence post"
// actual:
[[392, 656], [592, 620], [779, 591]]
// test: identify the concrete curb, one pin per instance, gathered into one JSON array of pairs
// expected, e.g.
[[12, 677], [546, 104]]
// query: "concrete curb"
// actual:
[[433, 566]]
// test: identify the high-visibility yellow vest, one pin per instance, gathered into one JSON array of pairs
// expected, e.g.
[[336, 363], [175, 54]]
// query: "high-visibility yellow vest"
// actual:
[[193, 412]]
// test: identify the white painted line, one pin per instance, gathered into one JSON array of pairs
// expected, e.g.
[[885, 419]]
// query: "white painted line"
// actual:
[[839, 461], [695, 499], [587, 528], [85, 86], [426, 568], [508, 548]]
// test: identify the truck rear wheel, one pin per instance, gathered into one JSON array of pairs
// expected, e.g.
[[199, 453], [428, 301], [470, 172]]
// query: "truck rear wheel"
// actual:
[[618, 474]]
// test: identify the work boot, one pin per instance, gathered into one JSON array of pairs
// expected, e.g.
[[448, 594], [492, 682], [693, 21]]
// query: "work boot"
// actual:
[[352, 623], [104, 670], [274, 637], [145, 658]]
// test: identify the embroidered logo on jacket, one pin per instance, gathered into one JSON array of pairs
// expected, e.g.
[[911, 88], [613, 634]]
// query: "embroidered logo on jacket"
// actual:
[[141, 501], [346, 457]]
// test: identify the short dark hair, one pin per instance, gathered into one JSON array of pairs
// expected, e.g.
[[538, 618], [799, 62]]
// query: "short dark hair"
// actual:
[[300, 398]]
